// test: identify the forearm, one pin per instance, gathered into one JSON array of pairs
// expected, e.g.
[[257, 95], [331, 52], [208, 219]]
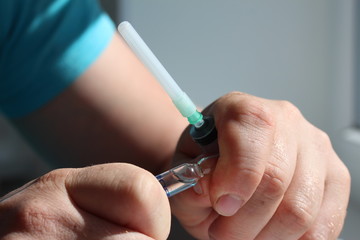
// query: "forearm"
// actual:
[[115, 111]]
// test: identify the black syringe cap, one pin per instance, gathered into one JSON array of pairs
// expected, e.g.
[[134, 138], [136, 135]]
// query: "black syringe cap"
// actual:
[[206, 133]]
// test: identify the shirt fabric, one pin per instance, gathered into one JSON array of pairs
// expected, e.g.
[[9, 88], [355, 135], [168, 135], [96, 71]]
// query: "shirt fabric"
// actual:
[[45, 45]]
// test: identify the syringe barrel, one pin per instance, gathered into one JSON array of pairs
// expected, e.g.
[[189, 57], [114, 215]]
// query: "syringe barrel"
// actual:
[[183, 103], [147, 57]]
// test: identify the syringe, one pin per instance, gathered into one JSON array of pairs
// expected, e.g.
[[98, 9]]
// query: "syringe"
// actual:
[[203, 129], [184, 176]]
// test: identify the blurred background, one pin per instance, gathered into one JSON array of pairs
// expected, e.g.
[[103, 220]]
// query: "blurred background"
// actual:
[[306, 52]]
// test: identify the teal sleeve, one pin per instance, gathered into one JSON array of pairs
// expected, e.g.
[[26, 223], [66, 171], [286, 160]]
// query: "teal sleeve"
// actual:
[[45, 45]]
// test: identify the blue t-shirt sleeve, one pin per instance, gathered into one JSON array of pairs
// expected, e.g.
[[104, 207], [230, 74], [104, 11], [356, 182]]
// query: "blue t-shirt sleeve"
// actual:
[[45, 46]]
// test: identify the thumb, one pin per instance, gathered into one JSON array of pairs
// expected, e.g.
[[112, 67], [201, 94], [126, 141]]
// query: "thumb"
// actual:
[[123, 194]]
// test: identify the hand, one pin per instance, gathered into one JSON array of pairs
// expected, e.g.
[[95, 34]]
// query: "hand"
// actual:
[[110, 201], [277, 176]]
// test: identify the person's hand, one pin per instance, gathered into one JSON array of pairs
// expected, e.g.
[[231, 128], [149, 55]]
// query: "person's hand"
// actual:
[[277, 176], [110, 201]]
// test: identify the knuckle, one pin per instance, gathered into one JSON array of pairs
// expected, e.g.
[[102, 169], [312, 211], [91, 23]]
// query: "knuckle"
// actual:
[[341, 176], [55, 174], [297, 215], [252, 175], [346, 177], [145, 190], [326, 228], [253, 110], [53, 180], [36, 217], [232, 95], [273, 186], [149, 200], [324, 139], [290, 109], [258, 113], [32, 216]]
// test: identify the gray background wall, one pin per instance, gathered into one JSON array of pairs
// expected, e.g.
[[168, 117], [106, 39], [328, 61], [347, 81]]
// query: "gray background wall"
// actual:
[[301, 51]]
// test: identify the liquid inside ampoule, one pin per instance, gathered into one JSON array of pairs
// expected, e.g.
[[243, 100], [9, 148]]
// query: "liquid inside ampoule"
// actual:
[[186, 175], [180, 178]]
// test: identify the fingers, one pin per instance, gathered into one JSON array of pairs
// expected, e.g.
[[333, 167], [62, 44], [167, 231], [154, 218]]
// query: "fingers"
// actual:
[[123, 194], [113, 201], [245, 135], [247, 222], [40, 210], [193, 207], [332, 214], [297, 210], [255, 214], [273, 178], [302, 201]]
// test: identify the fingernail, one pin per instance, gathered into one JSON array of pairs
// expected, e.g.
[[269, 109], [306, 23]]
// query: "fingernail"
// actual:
[[228, 205], [197, 188]]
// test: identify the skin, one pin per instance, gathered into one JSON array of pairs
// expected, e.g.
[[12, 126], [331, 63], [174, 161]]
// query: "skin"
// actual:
[[108, 201], [284, 178]]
